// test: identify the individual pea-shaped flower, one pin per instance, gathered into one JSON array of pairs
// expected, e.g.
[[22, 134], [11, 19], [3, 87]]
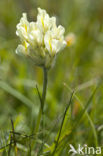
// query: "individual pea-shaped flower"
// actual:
[[23, 28], [54, 40], [35, 35], [45, 22], [40, 40]]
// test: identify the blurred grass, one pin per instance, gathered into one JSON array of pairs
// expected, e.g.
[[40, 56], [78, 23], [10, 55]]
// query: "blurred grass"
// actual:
[[75, 66]]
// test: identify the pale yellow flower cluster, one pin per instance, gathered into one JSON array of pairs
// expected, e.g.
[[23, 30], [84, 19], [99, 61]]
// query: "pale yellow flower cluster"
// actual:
[[40, 40]]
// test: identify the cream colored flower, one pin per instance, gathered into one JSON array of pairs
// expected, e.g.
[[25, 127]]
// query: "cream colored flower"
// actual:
[[23, 48], [54, 40], [44, 22], [23, 28], [40, 40], [35, 35]]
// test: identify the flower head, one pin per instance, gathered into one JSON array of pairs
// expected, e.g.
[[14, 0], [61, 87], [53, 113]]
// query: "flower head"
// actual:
[[40, 40]]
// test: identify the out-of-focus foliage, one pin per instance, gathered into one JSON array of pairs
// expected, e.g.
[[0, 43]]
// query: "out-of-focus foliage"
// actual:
[[79, 66]]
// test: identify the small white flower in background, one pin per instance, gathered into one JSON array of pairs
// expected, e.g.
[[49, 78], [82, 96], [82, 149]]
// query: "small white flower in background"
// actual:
[[40, 40], [70, 39]]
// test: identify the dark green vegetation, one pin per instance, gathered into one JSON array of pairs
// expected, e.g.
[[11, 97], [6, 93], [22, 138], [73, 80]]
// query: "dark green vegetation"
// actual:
[[78, 68]]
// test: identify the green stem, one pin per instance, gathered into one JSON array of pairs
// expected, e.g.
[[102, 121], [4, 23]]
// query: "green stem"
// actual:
[[42, 100], [44, 87], [38, 122]]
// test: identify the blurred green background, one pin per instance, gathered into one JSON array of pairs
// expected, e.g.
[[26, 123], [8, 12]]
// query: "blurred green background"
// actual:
[[79, 66]]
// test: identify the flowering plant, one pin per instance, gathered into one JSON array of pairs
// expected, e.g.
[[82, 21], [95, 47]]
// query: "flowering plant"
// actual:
[[41, 41]]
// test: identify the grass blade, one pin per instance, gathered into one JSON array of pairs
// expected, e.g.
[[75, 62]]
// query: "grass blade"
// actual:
[[88, 116], [16, 94], [57, 141]]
